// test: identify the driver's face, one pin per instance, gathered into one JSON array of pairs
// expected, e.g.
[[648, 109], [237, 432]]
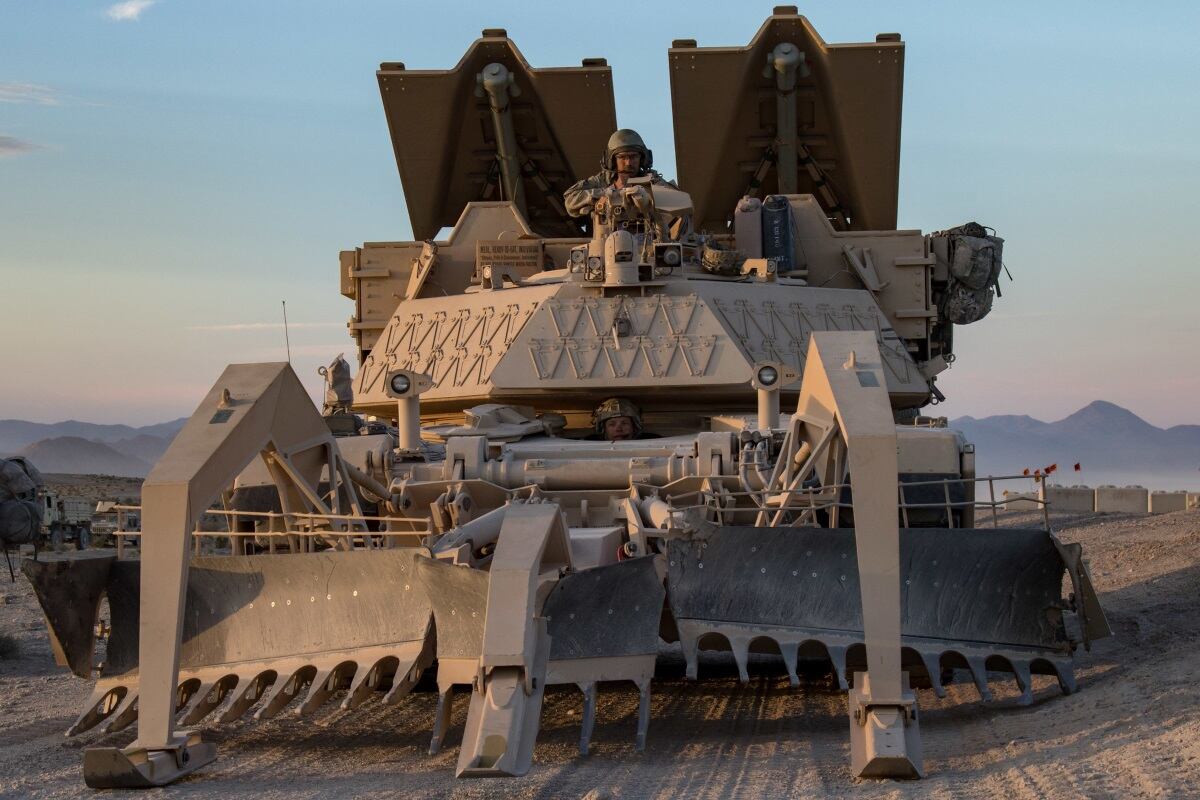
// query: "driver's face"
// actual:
[[629, 162], [618, 429]]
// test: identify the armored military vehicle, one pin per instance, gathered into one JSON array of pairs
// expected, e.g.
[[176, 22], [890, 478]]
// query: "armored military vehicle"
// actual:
[[763, 340]]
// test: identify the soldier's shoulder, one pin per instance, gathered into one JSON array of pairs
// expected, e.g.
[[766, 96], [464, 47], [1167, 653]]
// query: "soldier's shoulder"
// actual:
[[601, 178]]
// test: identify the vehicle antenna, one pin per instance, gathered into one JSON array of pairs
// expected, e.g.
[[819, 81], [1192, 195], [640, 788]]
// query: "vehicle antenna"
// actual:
[[286, 341]]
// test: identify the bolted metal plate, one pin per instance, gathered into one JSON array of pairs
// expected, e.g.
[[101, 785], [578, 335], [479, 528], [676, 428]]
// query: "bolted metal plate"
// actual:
[[966, 585], [69, 591], [606, 611], [458, 595], [255, 608]]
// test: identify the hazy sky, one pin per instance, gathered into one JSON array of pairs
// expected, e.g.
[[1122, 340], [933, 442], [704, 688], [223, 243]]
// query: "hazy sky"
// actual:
[[170, 170]]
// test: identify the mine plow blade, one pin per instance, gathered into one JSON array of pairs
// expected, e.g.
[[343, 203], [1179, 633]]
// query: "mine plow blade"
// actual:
[[973, 599], [261, 633], [512, 630]]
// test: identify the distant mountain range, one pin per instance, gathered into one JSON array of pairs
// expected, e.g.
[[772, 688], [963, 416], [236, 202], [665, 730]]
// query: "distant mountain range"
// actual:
[[1110, 443], [80, 448]]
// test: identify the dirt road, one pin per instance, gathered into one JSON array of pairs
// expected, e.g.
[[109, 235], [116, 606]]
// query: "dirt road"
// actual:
[[1133, 730]]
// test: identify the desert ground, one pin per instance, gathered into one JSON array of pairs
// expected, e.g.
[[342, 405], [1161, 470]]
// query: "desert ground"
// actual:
[[95, 487], [1132, 731]]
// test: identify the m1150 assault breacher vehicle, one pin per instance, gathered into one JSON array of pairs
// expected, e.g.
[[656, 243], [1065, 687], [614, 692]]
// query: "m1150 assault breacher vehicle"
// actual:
[[481, 527]]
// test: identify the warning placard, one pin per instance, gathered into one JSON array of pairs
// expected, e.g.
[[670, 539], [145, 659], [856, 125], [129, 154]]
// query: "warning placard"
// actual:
[[514, 257]]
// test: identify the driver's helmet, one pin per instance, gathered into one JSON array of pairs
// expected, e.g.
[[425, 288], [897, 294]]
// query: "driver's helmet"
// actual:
[[616, 407], [626, 139]]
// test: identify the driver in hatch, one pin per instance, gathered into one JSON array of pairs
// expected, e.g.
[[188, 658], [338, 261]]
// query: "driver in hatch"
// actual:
[[616, 420]]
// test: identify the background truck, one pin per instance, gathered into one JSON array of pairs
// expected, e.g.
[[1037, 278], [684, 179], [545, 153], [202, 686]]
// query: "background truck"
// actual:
[[67, 518]]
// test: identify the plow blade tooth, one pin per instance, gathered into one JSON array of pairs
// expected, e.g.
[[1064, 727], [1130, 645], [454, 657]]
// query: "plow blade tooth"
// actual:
[[1066, 678], [978, 667], [1024, 681], [933, 666], [588, 718], [837, 657], [411, 661], [103, 701], [790, 652], [441, 718], [249, 691], [285, 690], [639, 742], [324, 683], [367, 680], [207, 698], [691, 652], [741, 656], [123, 715]]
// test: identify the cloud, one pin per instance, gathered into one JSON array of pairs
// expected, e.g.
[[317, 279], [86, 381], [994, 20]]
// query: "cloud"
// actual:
[[128, 10], [264, 326], [10, 146], [27, 93]]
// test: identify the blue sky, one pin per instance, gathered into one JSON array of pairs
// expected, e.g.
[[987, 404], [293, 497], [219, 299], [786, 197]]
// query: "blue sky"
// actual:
[[168, 175]]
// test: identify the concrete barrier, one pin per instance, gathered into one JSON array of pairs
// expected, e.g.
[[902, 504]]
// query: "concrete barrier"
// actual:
[[1166, 502], [1193, 500], [1072, 499], [1123, 499], [1021, 501]]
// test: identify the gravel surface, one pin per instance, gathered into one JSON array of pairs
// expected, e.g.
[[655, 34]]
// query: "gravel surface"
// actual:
[[1133, 730]]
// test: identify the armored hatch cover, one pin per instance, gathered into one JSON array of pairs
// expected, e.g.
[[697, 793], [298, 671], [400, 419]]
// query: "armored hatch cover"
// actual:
[[442, 133], [848, 120]]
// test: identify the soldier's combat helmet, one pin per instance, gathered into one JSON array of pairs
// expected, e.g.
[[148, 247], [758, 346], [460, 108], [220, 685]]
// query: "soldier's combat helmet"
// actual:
[[617, 407], [626, 139]]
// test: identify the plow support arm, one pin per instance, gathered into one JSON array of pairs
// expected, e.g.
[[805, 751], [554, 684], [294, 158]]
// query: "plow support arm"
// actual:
[[844, 388], [252, 409]]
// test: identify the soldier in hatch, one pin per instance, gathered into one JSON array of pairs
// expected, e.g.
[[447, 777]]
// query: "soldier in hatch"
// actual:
[[625, 157], [616, 420]]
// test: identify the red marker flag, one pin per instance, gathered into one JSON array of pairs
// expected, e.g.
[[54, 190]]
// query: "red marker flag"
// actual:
[[1078, 468], [1026, 471]]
